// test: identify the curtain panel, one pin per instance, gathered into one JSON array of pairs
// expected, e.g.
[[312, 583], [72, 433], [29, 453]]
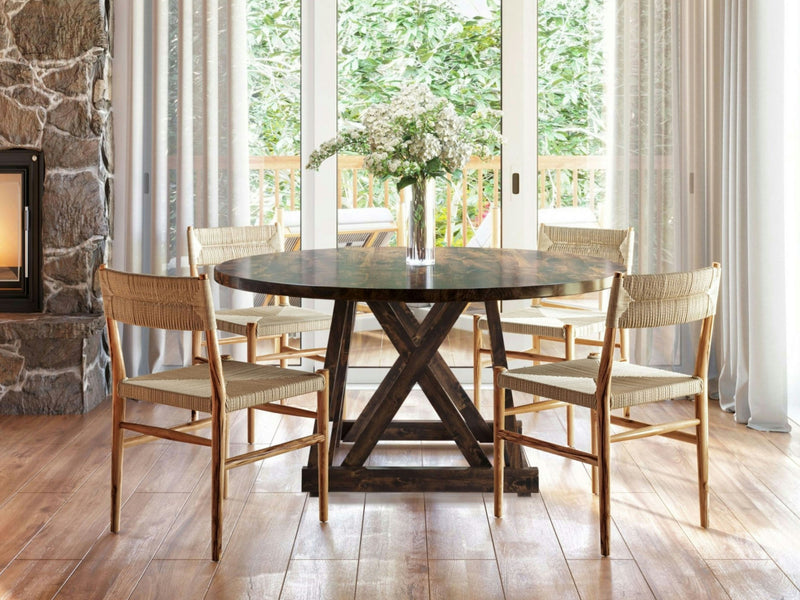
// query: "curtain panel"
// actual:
[[181, 137], [758, 264], [644, 147]]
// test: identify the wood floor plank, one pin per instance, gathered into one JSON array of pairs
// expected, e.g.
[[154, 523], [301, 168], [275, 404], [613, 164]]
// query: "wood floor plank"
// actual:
[[670, 564], [266, 425], [609, 579], [446, 454], [187, 578], [320, 580], [626, 476], [22, 517], [754, 580], [524, 538], [573, 509], [177, 470], [282, 473], [45, 429], [371, 349], [339, 538], [190, 534], [457, 526], [394, 527], [116, 562], [366, 348], [34, 579], [396, 454], [85, 515], [674, 477], [773, 526], [465, 579], [788, 444], [392, 578], [727, 473], [754, 450], [20, 463], [255, 561], [68, 470], [396, 545]]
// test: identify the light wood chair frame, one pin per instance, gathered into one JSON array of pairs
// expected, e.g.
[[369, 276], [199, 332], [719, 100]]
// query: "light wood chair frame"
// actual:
[[601, 417], [202, 253], [624, 251], [196, 314]]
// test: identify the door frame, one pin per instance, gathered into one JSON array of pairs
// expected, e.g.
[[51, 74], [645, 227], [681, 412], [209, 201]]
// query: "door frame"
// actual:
[[319, 108]]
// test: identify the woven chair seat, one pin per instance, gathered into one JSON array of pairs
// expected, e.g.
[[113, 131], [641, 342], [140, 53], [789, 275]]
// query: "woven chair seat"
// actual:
[[550, 322], [272, 320], [247, 385], [575, 382]]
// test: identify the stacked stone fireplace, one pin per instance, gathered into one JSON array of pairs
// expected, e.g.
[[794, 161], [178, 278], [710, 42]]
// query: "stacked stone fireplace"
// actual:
[[54, 82]]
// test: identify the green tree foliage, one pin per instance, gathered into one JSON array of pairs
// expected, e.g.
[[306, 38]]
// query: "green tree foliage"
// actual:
[[571, 71], [274, 77], [386, 44], [383, 45]]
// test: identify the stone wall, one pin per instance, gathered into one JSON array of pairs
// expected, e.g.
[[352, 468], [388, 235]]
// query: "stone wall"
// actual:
[[54, 96]]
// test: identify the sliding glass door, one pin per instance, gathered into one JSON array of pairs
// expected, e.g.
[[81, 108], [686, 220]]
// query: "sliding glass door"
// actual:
[[315, 65]]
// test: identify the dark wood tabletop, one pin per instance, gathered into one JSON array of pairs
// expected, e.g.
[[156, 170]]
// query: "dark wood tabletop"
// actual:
[[381, 274]]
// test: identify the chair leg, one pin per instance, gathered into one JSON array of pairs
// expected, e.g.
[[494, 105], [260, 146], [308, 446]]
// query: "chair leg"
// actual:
[[218, 458], [593, 429], [117, 450], [498, 398], [252, 353], [282, 343], [701, 413], [603, 455], [226, 445], [569, 354], [624, 336], [322, 447], [476, 361]]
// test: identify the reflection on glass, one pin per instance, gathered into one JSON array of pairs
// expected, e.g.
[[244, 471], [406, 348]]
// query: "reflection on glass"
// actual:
[[10, 226], [571, 111], [386, 46], [274, 101]]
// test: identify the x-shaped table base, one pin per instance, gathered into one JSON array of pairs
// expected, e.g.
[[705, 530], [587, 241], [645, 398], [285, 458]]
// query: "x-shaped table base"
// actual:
[[419, 362]]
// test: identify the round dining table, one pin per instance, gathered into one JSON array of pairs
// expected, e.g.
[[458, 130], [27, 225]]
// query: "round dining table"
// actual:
[[381, 278]]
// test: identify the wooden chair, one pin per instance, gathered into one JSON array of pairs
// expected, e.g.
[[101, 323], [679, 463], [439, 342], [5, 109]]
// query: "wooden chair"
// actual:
[[636, 301], [549, 320], [218, 387], [213, 245]]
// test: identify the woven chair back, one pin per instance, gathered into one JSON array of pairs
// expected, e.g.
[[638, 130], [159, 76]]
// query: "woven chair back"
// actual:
[[213, 245], [178, 303], [663, 299], [615, 245]]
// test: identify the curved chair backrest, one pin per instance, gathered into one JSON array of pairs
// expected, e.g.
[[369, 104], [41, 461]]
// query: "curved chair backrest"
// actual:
[[615, 245], [213, 245], [663, 299], [178, 303]]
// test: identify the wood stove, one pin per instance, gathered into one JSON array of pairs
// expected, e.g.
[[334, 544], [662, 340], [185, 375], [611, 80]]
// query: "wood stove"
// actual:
[[21, 185]]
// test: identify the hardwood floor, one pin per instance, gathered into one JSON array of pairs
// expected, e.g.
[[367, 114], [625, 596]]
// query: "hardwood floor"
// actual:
[[55, 543]]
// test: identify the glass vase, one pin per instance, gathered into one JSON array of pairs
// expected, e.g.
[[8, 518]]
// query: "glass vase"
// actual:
[[421, 223]]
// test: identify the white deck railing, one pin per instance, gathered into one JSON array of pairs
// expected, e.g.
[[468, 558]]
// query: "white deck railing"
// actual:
[[463, 207]]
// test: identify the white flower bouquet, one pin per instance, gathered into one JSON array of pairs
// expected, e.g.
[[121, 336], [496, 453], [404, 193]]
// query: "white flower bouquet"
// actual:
[[415, 136]]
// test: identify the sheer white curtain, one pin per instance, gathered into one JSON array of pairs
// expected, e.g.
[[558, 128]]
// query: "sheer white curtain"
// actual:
[[180, 105], [652, 151], [702, 140], [758, 331]]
